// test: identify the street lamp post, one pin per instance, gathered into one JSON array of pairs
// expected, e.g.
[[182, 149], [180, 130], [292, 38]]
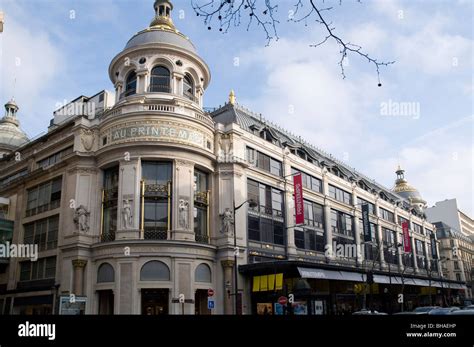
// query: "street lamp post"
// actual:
[[251, 203]]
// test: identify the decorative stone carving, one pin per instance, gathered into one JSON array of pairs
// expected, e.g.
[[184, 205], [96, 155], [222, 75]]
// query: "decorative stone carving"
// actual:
[[183, 212], [127, 214], [87, 139], [227, 221], [81, 218], [79, 263], [225, 152]]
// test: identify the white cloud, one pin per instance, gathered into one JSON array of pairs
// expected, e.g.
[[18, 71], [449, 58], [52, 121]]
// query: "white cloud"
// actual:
[[306, 94], [434, 50], [439, 164], [34, 61]]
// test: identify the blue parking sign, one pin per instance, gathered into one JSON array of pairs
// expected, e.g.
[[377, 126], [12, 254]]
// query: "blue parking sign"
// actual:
[[210, 304]]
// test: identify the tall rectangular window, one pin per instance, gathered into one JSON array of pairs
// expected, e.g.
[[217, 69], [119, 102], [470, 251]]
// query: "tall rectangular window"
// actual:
[[341, 223], [43, 232], [43, 268], [309, 182], [361, 202], [266, 221], [387, 215], [157, 177], [389, 246], [312, 240], [264, 162], [340, 195], [370, 248], [201, 205], [44, 197], [110, 204], [417, 228]]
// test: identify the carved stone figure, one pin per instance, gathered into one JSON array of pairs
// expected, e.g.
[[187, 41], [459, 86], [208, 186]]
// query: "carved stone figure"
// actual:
[[183, 208], [127, 214], [81, 218], [227, 221]]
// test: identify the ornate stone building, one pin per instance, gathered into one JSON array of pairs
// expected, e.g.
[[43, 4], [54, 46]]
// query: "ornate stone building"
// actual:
[[143, 200]]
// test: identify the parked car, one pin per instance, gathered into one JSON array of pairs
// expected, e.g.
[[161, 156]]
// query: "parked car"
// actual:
[[368, 312], [443, 310], [405, 313], [462, 313], [470, 307], [424, 309]]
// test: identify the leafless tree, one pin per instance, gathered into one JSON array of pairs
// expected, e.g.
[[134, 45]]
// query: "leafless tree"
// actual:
[[263, 13]]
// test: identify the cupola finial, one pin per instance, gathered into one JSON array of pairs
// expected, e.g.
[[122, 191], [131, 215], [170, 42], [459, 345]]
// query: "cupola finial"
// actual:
[[163, 10]]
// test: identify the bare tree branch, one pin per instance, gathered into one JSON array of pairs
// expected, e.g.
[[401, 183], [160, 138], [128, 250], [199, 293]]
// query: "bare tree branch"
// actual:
[[231, 12]]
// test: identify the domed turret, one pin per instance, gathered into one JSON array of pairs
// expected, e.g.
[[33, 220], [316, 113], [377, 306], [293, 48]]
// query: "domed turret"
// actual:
[[408, 192], [11, 136], [160, 63]]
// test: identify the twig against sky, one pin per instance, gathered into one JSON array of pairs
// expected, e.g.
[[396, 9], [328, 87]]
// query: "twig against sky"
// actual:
[[227, 13]]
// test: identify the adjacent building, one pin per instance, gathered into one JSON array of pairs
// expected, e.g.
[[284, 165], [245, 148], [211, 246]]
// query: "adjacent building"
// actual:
[[455, 230], [141, 201]]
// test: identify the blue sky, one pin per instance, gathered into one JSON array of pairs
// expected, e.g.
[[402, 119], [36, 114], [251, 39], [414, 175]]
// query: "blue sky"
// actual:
[[55, 58]]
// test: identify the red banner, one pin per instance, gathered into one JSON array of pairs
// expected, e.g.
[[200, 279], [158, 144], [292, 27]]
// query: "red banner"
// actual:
[[299, 205], [406, 237]]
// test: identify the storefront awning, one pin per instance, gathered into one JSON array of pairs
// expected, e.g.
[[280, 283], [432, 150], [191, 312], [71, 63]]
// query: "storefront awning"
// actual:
[[331, 275]]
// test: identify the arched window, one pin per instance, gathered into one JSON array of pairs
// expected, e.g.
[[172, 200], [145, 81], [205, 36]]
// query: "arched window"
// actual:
[[160, 80], [188, 87], [203, 274], [155, 271], [105, 273], [131, 84]]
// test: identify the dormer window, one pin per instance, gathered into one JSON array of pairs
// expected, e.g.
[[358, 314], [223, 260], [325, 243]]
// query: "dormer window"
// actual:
[[188, 87], [160, 80], [131, 84]]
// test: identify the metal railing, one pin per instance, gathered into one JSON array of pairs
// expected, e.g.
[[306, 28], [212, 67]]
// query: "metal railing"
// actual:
[[155, 234], [201, 238], [128, 93], [191, 97], [159, 88], [107, 237]]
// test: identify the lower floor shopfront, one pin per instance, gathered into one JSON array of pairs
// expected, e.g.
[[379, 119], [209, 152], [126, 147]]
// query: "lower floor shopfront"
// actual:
[[326, 290]]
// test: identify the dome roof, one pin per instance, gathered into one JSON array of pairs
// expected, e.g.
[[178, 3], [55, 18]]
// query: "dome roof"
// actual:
[[405, 190], [161, 34], [161, 30], [11, 136]]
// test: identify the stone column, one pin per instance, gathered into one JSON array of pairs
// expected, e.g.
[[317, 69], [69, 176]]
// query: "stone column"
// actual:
[[141, 81], [118, 91], [228, 266], [383, 264], [398, 241], [78, 267], [427, 256], [355, 223], [413, 250], [327, 229], [289, 207], [379, 234]]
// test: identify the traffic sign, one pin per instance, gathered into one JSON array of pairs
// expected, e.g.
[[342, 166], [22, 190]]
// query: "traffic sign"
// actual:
[[282, 300], [210, 304], [210, 292]]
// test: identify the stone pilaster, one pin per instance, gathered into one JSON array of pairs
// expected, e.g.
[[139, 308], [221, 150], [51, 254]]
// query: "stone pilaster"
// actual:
[[228, 266], [78, 268]]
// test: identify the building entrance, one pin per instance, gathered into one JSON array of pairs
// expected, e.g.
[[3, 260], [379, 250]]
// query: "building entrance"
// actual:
[[155, 301]]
